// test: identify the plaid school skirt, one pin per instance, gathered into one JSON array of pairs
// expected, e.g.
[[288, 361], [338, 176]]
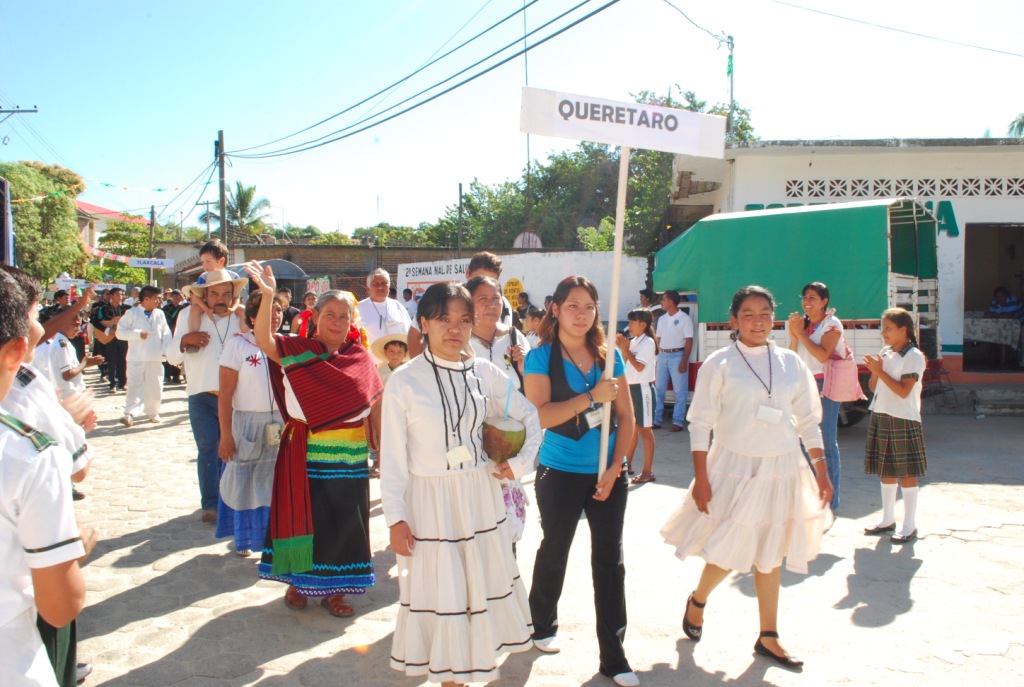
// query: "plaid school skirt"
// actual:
[[894, 447]]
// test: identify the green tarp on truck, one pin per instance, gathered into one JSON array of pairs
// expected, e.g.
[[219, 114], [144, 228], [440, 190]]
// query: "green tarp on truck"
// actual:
[[853, 247]]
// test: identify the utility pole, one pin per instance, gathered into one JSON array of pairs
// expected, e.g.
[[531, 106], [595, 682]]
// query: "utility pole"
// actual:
[[223, 195], [152, 228], [458, 237], [730, 126], [207, 204], [16, 110]]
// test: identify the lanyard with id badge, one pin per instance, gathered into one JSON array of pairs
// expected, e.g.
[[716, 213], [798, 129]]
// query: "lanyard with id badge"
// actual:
[[453, 411], [765, 411]]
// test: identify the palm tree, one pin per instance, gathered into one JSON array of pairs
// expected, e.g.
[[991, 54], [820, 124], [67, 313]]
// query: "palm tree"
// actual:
[[1016, 129], [245, 213]]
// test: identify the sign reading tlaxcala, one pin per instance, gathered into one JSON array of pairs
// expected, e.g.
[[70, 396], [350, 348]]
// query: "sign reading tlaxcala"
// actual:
[[564, 115]]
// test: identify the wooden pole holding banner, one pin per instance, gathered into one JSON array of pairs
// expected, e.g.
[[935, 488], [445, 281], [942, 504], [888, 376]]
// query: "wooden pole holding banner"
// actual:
[[613, 304], [629, 125]]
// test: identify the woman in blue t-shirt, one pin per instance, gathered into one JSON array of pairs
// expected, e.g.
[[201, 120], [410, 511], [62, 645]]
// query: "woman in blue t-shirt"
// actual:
[[563, 378]]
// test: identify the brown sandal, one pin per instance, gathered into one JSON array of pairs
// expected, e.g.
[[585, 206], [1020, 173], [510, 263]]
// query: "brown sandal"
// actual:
[[294, 600], [336, 606], [644, 478]]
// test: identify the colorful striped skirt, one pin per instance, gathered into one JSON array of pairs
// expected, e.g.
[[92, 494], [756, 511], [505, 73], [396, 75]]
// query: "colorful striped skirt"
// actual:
[[339, 492], [894, 447]]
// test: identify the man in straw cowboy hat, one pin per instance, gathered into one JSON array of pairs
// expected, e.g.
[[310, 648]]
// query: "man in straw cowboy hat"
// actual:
[[200, 352]]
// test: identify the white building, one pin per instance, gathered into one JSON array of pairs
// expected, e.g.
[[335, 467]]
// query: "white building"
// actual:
[[974, 186]]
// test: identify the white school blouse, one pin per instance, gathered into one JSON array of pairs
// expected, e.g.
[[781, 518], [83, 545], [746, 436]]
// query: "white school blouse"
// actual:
[[728, 395], [643, 349], [908, 361], [413, 440]]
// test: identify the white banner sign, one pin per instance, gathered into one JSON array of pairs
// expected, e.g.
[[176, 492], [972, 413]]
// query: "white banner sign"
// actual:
[[582, 118], [80, 284], [155, 263]]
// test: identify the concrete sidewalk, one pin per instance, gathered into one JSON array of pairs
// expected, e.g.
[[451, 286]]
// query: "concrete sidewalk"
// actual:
[[168, 604]]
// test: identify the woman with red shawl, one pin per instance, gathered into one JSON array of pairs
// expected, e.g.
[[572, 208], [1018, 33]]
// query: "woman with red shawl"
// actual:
[[319, 539]]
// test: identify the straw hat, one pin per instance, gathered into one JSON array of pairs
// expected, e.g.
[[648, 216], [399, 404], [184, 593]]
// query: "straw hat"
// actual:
[[378, 346], [215, 278]]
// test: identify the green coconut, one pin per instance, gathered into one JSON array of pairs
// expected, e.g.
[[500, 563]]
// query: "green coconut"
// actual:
[[503, 439]]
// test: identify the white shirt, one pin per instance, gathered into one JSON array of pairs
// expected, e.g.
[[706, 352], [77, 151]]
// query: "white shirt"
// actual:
[[500, 352], [674, 330], [253, 393], [728, 395], [897, 366], [64, 358], [158, 335], [202, 367], [411, 306], [389, 317], [413, 440], [831, 323], [643, 349], [41, 360], [33, 400], [37, 530]]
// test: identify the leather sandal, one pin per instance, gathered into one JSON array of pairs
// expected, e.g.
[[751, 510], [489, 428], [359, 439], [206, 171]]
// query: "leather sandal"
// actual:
[[644, 478], [692, 631], [294, 600], [903, 538], [784, 660], [336, 606]]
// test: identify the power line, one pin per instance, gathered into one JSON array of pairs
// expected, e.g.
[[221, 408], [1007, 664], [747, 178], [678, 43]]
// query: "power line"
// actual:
[[396, 83], [316, 143], [720, 39], [429, 61], [890, 28], [185, 188]]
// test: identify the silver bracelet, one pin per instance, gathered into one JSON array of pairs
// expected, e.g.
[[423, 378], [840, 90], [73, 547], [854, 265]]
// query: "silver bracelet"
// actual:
[[815, 461]]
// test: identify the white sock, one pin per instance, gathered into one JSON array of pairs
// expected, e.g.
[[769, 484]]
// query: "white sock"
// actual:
[[909, 510], [888, 504]]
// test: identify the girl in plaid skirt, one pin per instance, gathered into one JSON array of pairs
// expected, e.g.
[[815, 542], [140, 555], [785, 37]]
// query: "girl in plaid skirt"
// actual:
[[895, 443]]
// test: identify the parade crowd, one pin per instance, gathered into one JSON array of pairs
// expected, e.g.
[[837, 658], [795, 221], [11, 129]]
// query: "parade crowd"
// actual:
[[450, 400]]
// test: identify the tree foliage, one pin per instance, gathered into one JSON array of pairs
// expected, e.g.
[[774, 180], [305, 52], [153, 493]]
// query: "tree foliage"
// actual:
[[601, 238], [46, 231], [124, 238], [1016, 128], [246, 214]]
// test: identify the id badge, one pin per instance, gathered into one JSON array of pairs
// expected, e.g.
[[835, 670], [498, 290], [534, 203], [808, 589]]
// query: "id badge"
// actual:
[[458, 455], [272, 434], [592, 418], [768, 414]]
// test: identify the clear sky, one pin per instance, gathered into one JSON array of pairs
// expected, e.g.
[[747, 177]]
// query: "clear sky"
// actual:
[[133, 93]]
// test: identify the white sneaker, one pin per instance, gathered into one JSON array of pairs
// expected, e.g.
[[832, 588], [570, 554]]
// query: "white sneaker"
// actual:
[[155, 418], [548, 645], [626, 679], [82, 671], [126, 420]]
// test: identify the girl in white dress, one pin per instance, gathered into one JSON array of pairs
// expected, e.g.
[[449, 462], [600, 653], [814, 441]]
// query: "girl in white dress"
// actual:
[[462, 600], [754, 500]]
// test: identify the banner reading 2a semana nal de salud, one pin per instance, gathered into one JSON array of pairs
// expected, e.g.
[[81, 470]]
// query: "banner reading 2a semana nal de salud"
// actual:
[[564, 115]]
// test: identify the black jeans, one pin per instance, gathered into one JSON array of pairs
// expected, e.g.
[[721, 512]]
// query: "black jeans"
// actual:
[[561, 497], [116, 353]]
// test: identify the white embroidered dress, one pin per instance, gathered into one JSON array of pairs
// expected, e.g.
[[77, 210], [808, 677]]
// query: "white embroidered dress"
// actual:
[[462, 601], [764, 504]]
